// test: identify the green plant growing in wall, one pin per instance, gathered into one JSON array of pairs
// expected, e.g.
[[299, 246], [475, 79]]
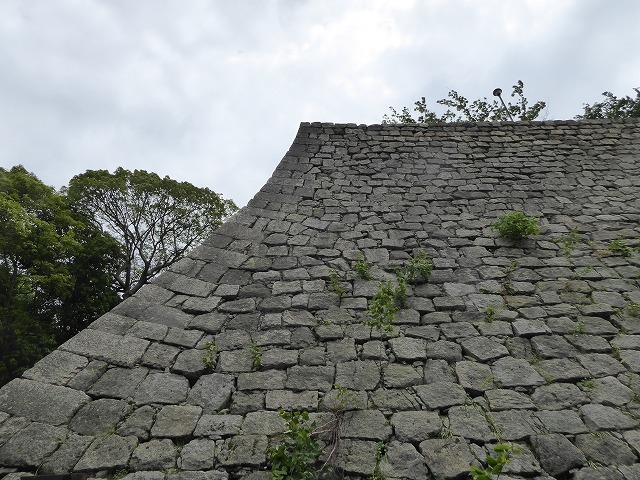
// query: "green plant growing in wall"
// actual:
[[618, 247], [210, 356], [568, 241], [516, 226], [382, 308], [495, 463], [335, 283], [417, 269], [297, 455], [256, 355], [362, 268], [381, 451], [490, 314]]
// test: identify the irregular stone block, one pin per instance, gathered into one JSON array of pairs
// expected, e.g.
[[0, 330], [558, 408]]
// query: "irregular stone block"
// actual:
[[32, 445], [502, 399], [166, 388], [357, 456], [107, 453], [312, 378], [401, 376], [474, 377], [402, 460], [515, 372], [58, 367], [99, 417], [366, 424], [470, 423], [247, 450], [138, 423], [64, 458], [287, 400], [406, 348], [265, 380], [218, 426], [41, 402], [561, 421], [599, 417], [212, 392], [556, 454], [176, 421], [262, 423], [416, 426], [358, 375], [154, 455], [558, 396], [120, 350], [447, 458], [438, 395], [198, 454], [118, 382]]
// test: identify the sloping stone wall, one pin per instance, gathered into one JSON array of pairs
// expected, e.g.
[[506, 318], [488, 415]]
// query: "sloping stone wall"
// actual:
[[535, 342]]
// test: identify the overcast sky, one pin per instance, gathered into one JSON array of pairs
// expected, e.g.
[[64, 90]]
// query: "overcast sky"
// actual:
[[213, 91]]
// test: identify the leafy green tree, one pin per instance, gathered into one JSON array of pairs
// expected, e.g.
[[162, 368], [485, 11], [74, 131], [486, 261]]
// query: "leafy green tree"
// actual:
[[55, 271], [459, 109], [155, 220], [613, 107]]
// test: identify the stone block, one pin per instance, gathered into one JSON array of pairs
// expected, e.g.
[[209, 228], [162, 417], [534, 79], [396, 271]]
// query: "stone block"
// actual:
[[439, 395], [154, 455], [120, 350], [212, 392], [99, 417], [365, 424], [176, 421], [556, 454], [218, 426], [416, 426], [110, 452], [165, 388], [447, 458], [32, 445], [311, 378]]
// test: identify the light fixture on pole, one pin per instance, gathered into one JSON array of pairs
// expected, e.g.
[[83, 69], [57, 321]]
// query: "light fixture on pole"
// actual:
[[498, 93]]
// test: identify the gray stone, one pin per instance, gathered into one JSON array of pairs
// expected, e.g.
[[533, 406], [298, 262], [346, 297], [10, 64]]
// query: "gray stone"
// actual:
[[218, 426], [287, 400], [242, 402], [262, 423], [41, 402], [58, 367], [32, 445], [374, 350], [235, 361], [502, 399], [209, 322], [212, 392], [561, 421], [600, 365], [240, 450], [265, 380], [341, 351], [470, 423], [64, 458], [483, 349], [609, 391], [515, 372], [208, 475], [107, 453], [148, 330], [120, 350], [161, 356], [176, 421], [438, 395], [558, 396], [365, 424], [154, 455], [530, 328], [561, 370], [99, 417], [447, 458], [279, 358], [438, 371], [401, 376], [357, 456], [138, 423], [415, 426], [311, 378], [118, 382], [198, 454], [444, 350], [599, 417], [556, 454], [164, 388], [405, 348], [605, 449], [516, 425], [402, 460], [552, 346], [392, 400]]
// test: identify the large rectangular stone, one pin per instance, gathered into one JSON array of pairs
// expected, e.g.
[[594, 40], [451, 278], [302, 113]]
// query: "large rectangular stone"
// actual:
[[120, 350]]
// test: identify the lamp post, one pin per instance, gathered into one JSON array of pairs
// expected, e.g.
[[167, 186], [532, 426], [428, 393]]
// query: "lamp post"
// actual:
[[498, 93]]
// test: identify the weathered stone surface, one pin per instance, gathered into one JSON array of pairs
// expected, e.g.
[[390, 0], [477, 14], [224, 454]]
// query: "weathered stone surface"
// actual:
[[262, 423], [438, 395], [415, 426], [470, 423], [242, 450], [176, 421], [67, 455], [198, 454], [447, 458], [265, 380], [600, 417], [138, 423], [363, 375], [515, 372], [556, 454], [502, 399], [311, 378], [58, 367], [403, 461], [561, 421], [107, 453], [99, 417], [30, 446], [357, 456], [287, 400], [41, 402], [400, 376], [483, 349], [154, 455], [218, 426], [118, 382], [558, 396], [212, 392], [120, 350], [366, 424], [605, 449]]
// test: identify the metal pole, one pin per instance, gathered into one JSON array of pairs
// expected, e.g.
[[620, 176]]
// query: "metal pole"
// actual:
[[498, 93]]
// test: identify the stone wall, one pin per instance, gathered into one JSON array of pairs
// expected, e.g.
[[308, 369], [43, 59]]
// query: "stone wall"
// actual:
[[535, 342]]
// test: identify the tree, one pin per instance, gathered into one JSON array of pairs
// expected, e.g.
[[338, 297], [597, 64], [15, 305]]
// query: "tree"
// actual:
[[155, 220], [460, 110], [55, 271], [613, 107]]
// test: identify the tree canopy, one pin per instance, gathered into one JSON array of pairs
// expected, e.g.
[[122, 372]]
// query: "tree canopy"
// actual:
[[155, 220], [55, 270], [459, 109], [613, 107]]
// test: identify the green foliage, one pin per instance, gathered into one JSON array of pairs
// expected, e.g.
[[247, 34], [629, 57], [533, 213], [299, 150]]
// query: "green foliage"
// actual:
[[210, 356], [362, 268], [418, 268], [256, 355], [55, 271], [618, 247], [297, 455], [613, 107], [495, 463], [568, 241], [381, 451], [516, 225], [335, 283], [460, 110], [490, 314], [155, 220], [382, 308]]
